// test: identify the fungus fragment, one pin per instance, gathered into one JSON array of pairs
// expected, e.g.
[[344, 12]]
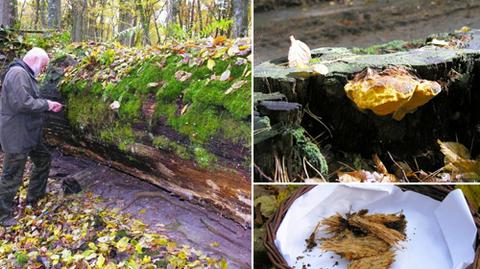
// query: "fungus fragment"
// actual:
[[366, 240]]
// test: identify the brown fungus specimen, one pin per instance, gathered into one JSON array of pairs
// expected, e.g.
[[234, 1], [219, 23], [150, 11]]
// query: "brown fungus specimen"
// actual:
[[334, 224], [382, 261], [366, 240], [351, 247], [391, 236]]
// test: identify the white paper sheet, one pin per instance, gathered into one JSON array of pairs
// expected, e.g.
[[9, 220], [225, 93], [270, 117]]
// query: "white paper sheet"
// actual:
[[440, 235]]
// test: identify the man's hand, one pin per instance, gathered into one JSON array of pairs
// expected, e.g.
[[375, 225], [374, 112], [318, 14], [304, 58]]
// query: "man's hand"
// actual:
[[54, 106]]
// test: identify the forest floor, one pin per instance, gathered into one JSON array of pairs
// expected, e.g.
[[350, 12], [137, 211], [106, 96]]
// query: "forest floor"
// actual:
[[361, 24], [180, 220]]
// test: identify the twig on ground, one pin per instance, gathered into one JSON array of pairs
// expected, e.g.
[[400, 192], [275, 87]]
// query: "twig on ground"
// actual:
[[262, 173], [396, 164], [346, 165], [317, 118], [433, 174], [316, 170]]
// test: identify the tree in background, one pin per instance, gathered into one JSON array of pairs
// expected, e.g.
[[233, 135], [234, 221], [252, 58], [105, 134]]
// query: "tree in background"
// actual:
[[126, 20], [131, 22], [40, 6], [240, 13], [54, 14], [78, 8], [8, 11]]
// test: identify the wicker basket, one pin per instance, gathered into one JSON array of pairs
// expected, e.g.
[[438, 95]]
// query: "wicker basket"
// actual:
[[437, 192]]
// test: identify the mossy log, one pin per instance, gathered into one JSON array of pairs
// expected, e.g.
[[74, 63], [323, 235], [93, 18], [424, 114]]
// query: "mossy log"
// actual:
[[452, 115], [140, 139]]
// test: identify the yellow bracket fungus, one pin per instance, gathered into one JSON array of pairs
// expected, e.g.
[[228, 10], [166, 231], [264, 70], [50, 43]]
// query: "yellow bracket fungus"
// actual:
[[391, 91]]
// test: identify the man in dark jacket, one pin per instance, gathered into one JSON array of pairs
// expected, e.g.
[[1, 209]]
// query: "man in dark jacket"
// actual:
[[21, 122]]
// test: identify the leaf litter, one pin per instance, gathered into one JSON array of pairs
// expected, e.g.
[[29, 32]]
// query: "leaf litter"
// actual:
[[76, 232], [110, 63], [459, 166]]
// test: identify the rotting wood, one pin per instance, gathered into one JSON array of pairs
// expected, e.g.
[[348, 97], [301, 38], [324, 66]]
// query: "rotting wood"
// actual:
[[225, 189]]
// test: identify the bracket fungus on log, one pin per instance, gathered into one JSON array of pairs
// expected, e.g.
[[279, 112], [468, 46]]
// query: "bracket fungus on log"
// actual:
[[393, 90]]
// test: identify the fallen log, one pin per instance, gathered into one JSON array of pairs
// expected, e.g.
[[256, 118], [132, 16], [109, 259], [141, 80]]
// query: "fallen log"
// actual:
[[151, 138], [453, 60]]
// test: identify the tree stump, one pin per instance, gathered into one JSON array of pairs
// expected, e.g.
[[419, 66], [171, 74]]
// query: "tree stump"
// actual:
[[453, 115]]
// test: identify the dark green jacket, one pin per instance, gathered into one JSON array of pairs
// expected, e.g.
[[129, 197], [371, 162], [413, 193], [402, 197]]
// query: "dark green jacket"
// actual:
[[21, 110]]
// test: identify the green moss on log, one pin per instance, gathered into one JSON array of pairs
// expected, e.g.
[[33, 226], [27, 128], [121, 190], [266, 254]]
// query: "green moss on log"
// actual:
[[306, 148], [198, 108], [203, 157], [390, 47], [163, 142]]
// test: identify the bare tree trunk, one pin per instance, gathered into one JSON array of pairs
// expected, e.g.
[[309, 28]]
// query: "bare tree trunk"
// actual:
[[240, 17], [192, 17], [199, 12], [145, 21], [21, 11], [125, 22], [132, 38], [228, 14], [172, 11], [208, 17], [37, 13], [220, 17], [92, 20], [54, 14], [43, 15], [155, 23], [180, 15], [99, 30], [8, 12], [78, 23]]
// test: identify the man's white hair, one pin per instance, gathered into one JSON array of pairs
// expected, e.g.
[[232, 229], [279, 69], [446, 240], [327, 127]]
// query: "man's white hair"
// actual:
[[36, 54]]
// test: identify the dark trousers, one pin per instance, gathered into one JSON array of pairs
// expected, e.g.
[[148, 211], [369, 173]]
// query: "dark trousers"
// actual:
[[12, 177]]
